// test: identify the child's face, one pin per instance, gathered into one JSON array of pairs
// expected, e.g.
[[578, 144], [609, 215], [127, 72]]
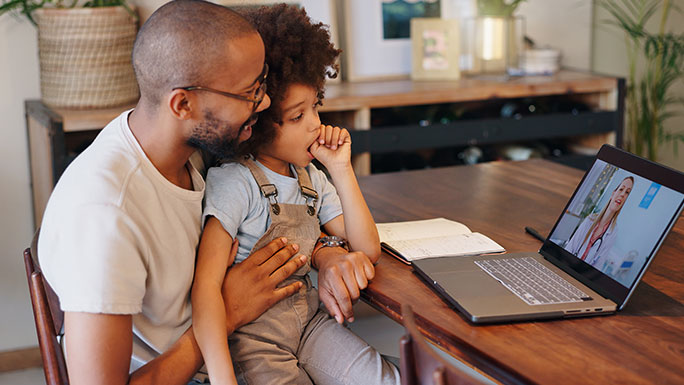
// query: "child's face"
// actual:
[[300, 128]]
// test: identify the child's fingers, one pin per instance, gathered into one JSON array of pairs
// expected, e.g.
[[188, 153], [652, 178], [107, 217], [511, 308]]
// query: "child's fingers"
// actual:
[[328, 134], [344, 137], [321, 134], [335, 138]]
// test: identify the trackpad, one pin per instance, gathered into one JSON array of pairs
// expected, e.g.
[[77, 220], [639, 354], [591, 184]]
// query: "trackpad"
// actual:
[[471, 284]]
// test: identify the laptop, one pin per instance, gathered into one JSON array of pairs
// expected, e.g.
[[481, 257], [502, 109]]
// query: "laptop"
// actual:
[[591, 263]]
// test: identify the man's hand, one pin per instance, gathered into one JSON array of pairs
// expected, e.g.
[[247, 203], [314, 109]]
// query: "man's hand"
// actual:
[[250, 287], [341, 276]]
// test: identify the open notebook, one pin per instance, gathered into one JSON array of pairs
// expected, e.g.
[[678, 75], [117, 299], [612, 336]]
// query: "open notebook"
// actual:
[[430, 238]]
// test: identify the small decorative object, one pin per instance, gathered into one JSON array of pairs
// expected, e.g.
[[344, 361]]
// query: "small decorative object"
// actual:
[[376, 43], [539, 61], [497, 38], [84, 52], [436, 53], [651, 99]]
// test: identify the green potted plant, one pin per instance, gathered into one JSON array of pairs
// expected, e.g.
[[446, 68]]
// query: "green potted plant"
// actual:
[[498, 36], [84, 50], [497, 8], [656, 63]]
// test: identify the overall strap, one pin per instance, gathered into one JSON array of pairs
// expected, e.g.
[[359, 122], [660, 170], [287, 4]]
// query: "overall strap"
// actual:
[[307, 189], [268, 189]]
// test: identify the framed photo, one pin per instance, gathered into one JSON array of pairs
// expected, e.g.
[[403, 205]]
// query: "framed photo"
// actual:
[[323, 11], [376, 36], [435, 49]]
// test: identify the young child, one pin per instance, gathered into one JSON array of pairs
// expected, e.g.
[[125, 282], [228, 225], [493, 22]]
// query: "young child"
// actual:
[[277, 192]]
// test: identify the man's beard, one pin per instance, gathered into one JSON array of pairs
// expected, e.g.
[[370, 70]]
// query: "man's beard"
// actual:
[[207, 136]]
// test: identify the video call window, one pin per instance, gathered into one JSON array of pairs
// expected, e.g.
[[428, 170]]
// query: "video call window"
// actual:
[[615, 221]]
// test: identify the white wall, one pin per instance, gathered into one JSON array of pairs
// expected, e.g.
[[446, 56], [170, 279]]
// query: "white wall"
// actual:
[[561, 24], [609, 57], [18, 81]]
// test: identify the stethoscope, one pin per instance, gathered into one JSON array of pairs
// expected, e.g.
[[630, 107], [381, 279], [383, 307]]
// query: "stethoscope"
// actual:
[[593, 250]]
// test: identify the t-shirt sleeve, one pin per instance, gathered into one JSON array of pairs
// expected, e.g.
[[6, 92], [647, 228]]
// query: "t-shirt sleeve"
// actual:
[[228, 196], [330, 202], [94, 261]]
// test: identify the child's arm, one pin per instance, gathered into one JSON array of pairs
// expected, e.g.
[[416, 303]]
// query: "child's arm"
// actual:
[[333, 149], [216, 253]]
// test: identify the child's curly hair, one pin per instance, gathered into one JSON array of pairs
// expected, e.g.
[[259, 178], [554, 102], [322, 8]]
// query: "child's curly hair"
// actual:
[[297, 52]]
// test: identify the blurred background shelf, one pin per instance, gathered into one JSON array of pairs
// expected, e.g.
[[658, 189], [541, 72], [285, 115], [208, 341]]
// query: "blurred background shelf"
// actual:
[[395, 121]]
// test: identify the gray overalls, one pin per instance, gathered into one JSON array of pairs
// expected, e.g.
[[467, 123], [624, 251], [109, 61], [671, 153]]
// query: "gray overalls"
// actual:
[[295, 342]]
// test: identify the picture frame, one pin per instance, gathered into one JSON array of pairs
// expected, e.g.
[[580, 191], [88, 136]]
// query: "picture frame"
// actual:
[[435, 49], [323, 11], [368, 55]]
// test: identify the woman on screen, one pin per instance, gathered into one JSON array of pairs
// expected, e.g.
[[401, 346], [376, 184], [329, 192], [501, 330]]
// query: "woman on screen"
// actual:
[[596, 235]]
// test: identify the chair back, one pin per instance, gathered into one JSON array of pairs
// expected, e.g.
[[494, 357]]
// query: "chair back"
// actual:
[[49, 319], [420, 364]]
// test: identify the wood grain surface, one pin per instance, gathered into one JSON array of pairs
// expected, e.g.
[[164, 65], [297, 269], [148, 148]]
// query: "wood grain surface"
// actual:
[[392, 93], [642, 344]]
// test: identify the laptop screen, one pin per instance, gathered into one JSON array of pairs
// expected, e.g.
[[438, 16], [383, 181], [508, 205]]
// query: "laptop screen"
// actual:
[[615, 222]]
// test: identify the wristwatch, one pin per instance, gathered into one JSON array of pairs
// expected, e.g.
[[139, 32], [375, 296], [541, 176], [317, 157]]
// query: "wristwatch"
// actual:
[[328, 241], [332, 241]]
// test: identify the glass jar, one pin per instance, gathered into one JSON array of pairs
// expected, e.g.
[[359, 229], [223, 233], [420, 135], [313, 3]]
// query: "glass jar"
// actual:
[[493, 45]]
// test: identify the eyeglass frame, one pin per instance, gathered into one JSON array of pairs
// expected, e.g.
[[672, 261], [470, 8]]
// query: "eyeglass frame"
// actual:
[[256, 100]]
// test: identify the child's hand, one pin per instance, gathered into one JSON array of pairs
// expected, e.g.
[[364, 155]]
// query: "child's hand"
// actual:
[[333, 147]]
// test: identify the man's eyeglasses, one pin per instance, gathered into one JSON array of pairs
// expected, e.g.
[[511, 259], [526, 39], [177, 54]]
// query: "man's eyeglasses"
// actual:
[[256, 97]]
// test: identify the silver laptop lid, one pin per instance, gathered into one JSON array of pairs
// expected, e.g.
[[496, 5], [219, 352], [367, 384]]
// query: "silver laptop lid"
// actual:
[[615, 222]]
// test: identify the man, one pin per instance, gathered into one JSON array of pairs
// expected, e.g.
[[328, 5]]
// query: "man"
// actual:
[[120, 231]]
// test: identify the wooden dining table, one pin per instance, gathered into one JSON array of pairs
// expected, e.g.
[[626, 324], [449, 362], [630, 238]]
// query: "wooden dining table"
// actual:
[[641, 344]]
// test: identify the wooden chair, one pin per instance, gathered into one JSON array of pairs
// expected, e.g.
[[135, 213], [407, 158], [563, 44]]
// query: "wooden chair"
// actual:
[[49, 319], [420, 364]]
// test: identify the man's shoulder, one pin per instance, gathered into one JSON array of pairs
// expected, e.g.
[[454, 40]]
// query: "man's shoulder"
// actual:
[[102, 171]]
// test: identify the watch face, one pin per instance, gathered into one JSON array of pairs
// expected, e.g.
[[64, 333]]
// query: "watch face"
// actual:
[[333, 241]]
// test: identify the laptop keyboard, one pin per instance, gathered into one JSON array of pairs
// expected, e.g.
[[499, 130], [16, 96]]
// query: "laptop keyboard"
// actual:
[[531, 281]]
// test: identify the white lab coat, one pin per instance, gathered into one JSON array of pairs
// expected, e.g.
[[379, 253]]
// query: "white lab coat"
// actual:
[[599, 251]]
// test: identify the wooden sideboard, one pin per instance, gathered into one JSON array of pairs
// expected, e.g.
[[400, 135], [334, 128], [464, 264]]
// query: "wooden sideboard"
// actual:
[[56, 135]]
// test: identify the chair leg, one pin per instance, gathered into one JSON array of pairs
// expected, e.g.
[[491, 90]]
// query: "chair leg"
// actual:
[[438, 376], [54, 366], [408, 373]]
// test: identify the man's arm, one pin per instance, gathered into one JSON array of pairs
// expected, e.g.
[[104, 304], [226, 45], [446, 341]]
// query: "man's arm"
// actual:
[[99, 346]]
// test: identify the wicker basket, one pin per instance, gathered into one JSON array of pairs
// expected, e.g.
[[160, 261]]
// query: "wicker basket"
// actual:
[[85, 57]]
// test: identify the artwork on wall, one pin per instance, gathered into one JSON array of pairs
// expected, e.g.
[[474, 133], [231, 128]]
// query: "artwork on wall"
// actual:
[[435, 49], [397, 15], [376, 38]]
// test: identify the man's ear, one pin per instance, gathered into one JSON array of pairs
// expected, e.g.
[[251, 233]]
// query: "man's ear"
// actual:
[[180, 104]]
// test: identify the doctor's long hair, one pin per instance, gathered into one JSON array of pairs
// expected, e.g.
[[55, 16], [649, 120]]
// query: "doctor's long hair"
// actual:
[[605, 209]]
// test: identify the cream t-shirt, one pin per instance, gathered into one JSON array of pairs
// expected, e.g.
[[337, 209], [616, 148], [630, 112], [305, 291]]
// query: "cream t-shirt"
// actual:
[[117, 237]]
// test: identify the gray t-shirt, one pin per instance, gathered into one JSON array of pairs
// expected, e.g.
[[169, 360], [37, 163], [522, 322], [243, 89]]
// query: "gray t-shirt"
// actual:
[[234, 198]]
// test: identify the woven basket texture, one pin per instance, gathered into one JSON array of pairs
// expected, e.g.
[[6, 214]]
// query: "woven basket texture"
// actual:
[[85, 57]]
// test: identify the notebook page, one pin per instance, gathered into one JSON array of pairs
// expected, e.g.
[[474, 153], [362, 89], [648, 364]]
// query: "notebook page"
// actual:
[[454, 245], [428, 228]]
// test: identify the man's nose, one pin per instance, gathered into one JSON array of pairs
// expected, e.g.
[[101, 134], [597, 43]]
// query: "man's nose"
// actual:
[[265, 103]]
